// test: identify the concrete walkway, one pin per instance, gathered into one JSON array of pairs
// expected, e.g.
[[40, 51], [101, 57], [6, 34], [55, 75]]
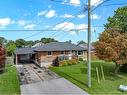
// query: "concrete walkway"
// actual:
[[58, 86]]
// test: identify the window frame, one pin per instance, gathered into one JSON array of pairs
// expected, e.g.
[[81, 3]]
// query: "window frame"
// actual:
[[81, 53], [62, 52], [49, 53]]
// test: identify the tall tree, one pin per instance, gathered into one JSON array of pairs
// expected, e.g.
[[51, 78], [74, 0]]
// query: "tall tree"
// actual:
[[81, 42], [20, 43], [48, 40], [69, 41], [30, 43], [3, 41], [10, 47], [36, 41], [118, 20], [112, 46]]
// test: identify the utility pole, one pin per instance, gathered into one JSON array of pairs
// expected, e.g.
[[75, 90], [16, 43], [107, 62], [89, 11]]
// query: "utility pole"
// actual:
[[89, 44]]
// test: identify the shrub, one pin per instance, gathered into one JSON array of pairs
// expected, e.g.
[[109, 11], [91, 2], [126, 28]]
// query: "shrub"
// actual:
[[68, 62], [2, 58], [80, 59], [63, 63], [73, 61]]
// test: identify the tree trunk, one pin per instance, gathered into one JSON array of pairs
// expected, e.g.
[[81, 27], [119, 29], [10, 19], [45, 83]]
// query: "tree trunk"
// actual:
[[117, 68]]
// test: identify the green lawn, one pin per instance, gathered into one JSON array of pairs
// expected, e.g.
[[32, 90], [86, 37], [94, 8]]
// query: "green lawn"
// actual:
[[9, 83], [77, 74]]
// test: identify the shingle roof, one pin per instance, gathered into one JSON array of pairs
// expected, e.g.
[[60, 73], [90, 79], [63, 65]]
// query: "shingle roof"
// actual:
[[24, 51], [53, 46], [58, 46], [85, 46]]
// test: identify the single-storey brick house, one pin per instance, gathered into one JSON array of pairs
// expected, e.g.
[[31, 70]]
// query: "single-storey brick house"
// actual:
[[45, 54]]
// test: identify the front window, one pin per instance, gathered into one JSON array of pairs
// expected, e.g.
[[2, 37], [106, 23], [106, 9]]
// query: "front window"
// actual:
[[49, 53], [80, 52], [62, 52], [76, 53]]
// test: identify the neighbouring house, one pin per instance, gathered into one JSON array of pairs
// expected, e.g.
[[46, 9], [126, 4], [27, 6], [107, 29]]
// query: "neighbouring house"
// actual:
[[38, 44], [85, 46], [46, 53]]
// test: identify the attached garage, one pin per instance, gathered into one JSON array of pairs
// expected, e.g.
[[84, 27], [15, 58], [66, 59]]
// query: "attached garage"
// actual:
[[24, 55]]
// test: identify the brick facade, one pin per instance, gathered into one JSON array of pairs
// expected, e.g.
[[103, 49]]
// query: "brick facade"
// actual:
[[43, 56]]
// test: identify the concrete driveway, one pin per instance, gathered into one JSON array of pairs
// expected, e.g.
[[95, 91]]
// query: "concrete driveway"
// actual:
[[58, 86], [37, 81]]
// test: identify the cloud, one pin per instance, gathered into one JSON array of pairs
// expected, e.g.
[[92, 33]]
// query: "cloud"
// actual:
[[5, 21], [50, 14], [72, 2], [81, 16], [2, 27], [96, 2], [95, 16], [82, 26], [42, 13], [21, 22], [70, 26], [12, 22], [75, 2], [67, 16], [30, 26], [26, 24], [73, 33]]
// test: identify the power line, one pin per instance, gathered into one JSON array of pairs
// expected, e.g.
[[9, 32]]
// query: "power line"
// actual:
[[50, 27], [52, 30], [43, 31], [91, 11], [99, 5], [89, 41], [17, 30], [62, 21], [64, 2], [114, 4], [65, 24], [87, 9], [26, 30]]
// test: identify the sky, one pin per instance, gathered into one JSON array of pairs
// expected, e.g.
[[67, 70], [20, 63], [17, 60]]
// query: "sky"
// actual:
[[58, 15]]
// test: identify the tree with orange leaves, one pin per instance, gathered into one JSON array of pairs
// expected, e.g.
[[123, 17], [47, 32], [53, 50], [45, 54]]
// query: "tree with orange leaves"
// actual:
[[112, 46]]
